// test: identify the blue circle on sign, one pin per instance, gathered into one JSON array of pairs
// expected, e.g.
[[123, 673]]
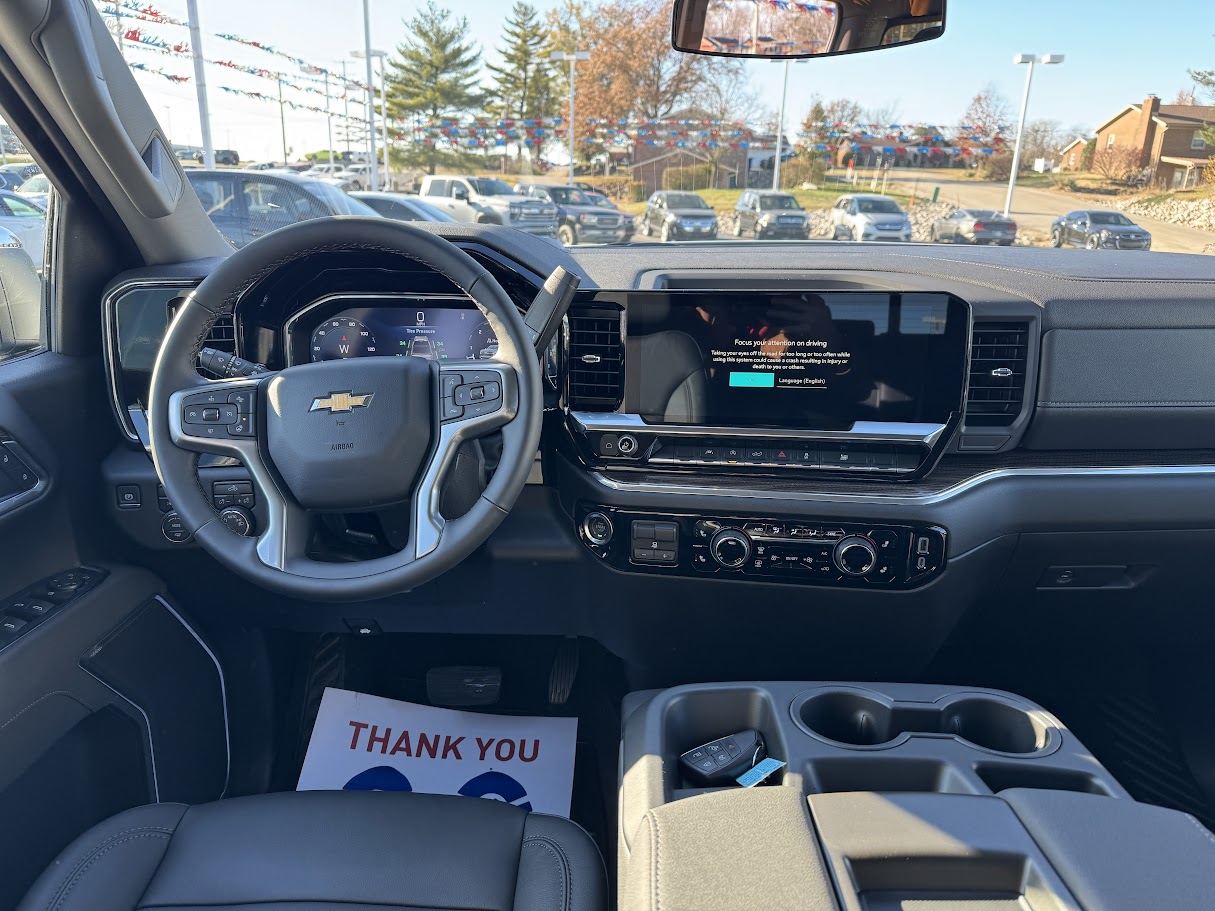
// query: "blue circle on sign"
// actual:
[[497, 785], [381, 778]]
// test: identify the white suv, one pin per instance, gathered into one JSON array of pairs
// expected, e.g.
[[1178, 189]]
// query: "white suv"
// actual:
[[868, 216]]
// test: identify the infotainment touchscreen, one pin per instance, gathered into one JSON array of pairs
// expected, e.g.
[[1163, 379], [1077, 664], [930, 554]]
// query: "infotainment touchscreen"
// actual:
[[793, 359]]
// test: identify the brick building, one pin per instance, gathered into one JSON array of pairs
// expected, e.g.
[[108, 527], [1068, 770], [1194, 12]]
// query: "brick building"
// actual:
[[1164, 139]]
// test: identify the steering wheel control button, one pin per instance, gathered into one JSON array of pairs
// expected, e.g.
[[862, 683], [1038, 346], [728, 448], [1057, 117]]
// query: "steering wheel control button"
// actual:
[[855, 556], [243, 400], [239, 520], [243, 426], [129, 496], [451, 382], [452, 411], [479, 392], [597, 528], [174, 529]]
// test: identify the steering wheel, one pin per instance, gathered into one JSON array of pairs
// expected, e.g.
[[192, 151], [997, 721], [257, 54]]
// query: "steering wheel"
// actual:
[[344, 435]]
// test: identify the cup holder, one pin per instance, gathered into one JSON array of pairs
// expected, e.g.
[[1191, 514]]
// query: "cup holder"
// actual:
[[863, 719]]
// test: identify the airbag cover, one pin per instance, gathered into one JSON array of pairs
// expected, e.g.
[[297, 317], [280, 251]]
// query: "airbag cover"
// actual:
[[351, 434]]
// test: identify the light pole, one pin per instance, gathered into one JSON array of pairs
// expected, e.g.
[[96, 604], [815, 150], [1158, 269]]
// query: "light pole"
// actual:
[[780, 125], [309, 70], [200, 82], [282, 120], [383, 55], [367, 55], [1031, 59], [573, 58]]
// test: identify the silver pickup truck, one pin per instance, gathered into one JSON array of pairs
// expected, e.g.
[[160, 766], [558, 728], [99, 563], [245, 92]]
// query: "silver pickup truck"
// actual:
[[488, 200]]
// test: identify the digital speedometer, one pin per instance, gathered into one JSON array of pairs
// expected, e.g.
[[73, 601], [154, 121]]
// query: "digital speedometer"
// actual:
[[342, 337]]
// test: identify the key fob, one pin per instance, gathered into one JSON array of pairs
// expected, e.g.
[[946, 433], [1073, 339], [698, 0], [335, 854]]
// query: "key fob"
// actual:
[[716, 764]]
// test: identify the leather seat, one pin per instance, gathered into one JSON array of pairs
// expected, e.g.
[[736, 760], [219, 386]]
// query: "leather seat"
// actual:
[[358, 851]]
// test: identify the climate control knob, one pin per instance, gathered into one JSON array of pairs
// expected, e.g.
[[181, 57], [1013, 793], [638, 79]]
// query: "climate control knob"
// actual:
[[730, 548], [855, 556]]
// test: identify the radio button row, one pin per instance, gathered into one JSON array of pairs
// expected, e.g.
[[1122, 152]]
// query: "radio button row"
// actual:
[[817, 454]]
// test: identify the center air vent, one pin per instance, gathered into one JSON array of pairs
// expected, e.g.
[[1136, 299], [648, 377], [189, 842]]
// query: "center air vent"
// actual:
[[998, 357], [595, 361]]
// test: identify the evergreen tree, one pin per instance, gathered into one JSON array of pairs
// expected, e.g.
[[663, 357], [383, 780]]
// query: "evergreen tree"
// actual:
[[435, 75], [524, 86]]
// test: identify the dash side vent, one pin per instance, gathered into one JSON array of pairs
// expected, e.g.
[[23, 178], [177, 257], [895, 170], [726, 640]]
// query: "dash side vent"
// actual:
[[999, 355]]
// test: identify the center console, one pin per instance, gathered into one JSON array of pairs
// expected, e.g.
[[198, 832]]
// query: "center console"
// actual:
[[886, 796]]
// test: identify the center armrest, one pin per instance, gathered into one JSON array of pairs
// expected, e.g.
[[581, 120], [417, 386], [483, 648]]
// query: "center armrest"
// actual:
[[728, 849]]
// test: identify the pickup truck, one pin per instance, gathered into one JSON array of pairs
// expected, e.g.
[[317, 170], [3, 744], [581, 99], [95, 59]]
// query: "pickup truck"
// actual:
[[487, 200]]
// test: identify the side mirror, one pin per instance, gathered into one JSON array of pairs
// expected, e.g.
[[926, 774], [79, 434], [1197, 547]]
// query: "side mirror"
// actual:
[[459, 193], [800, 28]]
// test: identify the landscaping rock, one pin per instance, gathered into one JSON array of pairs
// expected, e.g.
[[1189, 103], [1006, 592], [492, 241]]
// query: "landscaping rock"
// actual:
[[1196, 213]]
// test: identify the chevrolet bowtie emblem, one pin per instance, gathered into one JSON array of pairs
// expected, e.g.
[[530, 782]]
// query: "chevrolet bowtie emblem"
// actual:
[[337, 402]]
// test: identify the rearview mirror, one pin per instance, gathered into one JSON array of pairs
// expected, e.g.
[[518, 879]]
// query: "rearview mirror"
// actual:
[[802, 28]]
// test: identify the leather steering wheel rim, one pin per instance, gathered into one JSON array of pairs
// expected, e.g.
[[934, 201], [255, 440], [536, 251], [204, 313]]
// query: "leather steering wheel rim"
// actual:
[[433, 550]]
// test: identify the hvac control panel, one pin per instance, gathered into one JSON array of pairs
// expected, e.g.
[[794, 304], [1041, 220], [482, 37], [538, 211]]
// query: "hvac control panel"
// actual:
[[801, 551]]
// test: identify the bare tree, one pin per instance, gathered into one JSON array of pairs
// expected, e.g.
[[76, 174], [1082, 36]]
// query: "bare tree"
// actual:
[[986, 117], [1115, 162], [726, 94], [884, 115], [1041, 139]]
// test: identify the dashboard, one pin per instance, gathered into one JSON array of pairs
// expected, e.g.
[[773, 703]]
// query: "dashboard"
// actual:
[[1002, 410]]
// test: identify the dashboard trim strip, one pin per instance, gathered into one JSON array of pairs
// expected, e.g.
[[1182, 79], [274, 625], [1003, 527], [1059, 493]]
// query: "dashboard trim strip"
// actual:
[[923, 500], [867, 431]]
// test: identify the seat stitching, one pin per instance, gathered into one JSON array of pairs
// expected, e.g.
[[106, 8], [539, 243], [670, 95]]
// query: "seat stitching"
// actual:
[[562, 860], [657, 860], [98, 852], [1201, 828], [42, 698]]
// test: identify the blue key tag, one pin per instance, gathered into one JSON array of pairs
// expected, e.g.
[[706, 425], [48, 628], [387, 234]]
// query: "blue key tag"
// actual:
[[760, 772]]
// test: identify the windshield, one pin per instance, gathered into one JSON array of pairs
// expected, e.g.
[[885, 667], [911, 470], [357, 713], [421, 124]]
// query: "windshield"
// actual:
[[473, 97], [879, 206], [341, 203], [568, 196], [685, 201], [1109, 218], [778, 202], [491, 186]]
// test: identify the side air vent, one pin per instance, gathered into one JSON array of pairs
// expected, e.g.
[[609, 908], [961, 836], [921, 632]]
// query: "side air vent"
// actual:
[[222, 336], [595, 365], [996, 391]]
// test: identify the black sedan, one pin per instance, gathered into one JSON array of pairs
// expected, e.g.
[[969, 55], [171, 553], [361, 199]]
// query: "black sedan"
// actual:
[[1099, 229], [974, 226]]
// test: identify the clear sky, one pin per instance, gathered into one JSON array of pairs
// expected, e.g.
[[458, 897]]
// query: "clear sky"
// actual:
[[1118, 51]]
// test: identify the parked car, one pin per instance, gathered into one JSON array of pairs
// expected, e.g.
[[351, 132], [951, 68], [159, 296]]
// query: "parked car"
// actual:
[[1098, 229], [869, 217], [974, 226], [355, 177], [23, 171], [401, 206], [770, 213], [604, 202], [323, 170], [262, 166], [678, 216], [488, 200], [222, 156], [244, 205], [580, 221], [20, 293], [37, 189], [27, 221]]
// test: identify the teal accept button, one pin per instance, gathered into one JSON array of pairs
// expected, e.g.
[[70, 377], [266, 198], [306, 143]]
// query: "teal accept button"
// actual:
[[751, 379]]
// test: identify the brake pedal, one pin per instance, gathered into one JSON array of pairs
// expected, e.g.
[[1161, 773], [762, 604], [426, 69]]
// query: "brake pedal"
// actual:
[[565, 670], [457, 686]]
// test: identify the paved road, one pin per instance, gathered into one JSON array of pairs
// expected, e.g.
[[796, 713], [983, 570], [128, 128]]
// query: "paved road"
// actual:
[[1035, 209]]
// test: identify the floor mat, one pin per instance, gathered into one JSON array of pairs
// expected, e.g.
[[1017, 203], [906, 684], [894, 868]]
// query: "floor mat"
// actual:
[[369, 743]]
